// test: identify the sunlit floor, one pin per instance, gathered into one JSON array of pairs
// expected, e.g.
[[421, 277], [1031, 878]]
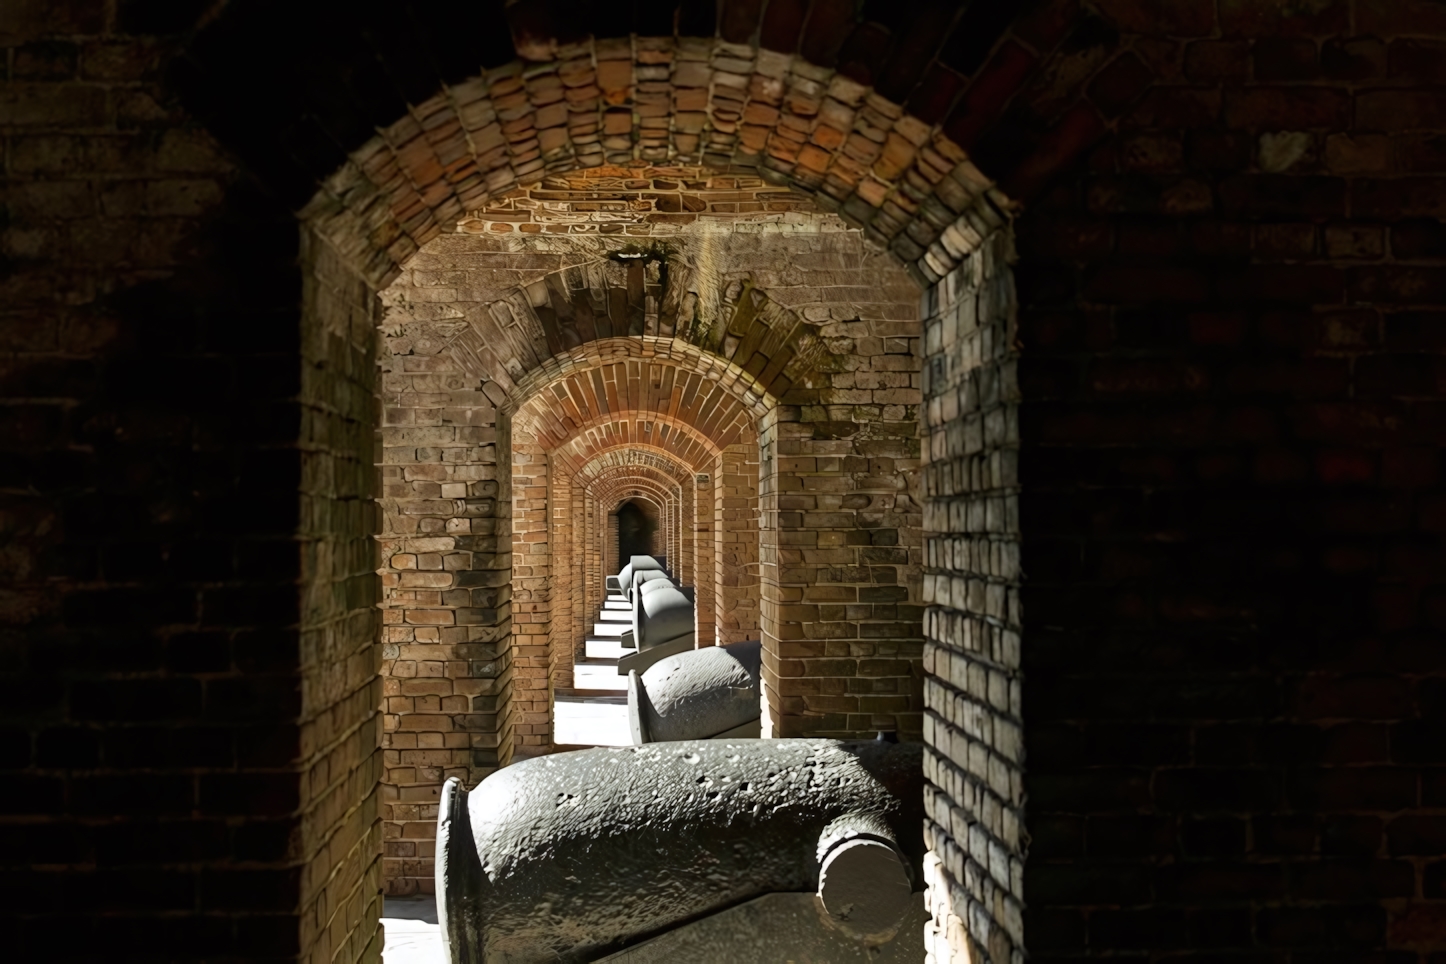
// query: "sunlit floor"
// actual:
[[582, 719], [412, 935]]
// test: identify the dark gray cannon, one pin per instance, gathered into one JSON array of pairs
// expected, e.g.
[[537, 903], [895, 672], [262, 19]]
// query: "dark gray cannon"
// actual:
[[663, 624], [703, 694], [688, 852]]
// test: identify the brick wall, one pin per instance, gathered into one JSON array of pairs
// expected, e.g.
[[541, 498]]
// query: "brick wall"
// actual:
[[531, 318], [1229, 449], [447, 663], [180, 556], [974, 767], [735, 518], [532, 588], [341, 691], [1231, 473]]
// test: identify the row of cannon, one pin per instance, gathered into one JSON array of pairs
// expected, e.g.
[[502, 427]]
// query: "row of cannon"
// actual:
[[699, 844], [677, 692]]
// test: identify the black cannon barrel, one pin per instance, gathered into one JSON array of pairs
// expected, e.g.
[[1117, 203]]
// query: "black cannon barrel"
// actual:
[[578, 854]]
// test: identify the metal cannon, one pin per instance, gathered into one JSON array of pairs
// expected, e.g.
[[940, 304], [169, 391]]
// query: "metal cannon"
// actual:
[[711, 693], [663, 625], [701, 851], [636, 564]]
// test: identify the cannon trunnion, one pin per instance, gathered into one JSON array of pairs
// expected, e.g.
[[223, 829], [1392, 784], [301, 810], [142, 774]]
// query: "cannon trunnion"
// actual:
[[692, 846]]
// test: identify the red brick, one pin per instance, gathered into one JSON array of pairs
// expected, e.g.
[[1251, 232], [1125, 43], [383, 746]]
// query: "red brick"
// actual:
[[1177, 107], [1059, 147], [1122, 284], [740, 19], [1215, 61], [1174, 18], [1284, 58], [1389, 284], [1390, 18], [782, 25], [990, 89], [1353, 59], [1278, 195]]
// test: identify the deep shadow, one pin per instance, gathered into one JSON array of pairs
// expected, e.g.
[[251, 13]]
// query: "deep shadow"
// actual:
[[635, 532]]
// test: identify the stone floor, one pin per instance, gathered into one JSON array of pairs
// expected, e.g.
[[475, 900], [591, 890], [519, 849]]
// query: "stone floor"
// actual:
[[412, 935]]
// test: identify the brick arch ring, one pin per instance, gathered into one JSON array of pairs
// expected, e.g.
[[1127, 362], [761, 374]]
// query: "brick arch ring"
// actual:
[[626, 457], [605, 488], [571, 380], [907, 183], [675, 438]]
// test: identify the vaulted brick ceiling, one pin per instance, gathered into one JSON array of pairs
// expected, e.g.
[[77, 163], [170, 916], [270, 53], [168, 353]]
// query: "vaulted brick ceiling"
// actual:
[[622, 484]]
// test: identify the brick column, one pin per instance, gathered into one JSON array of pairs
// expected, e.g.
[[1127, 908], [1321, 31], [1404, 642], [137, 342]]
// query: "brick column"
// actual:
[[974, 795], [706, 578], [531, 599], [564, 591], [446, 664], [340, 832], [736, 515]]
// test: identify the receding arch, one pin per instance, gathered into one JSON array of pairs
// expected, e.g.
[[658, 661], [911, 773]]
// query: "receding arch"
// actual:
[[291, 147]]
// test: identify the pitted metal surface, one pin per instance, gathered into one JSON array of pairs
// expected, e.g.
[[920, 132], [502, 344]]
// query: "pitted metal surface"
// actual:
[[697, 694], [586, 852]]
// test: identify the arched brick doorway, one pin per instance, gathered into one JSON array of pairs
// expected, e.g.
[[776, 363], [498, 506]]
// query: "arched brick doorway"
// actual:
[[1225, 315], [821, 130], [865, 614]]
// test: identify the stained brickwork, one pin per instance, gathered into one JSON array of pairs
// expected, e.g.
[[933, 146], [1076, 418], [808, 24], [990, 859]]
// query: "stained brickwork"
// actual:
[[1230, 436], [446, 547], [188, 739]]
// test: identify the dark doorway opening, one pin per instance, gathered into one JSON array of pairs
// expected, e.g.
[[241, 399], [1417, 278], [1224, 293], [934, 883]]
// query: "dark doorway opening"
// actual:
[[635, 532]]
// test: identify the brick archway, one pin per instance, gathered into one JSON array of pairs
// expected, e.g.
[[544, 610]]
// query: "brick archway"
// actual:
[[1222, 315], [811, 99]]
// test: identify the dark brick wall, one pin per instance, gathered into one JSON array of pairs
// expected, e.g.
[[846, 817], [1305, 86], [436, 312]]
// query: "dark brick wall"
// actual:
[[1231, 359], [171, 477], [149, 336]]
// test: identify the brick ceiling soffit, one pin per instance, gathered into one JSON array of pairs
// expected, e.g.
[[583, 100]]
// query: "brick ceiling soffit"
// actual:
[[720, 429], [900, 179]]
